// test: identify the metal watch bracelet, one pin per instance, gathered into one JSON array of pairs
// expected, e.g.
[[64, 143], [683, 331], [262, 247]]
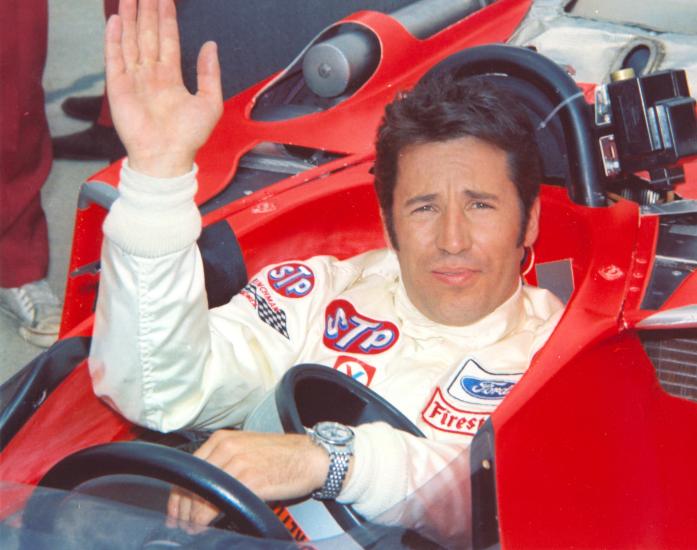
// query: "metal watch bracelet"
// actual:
[[337, 440]]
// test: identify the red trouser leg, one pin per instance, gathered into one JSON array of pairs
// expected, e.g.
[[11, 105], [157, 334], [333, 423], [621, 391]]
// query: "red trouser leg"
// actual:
[[110, 8], [25, 143]]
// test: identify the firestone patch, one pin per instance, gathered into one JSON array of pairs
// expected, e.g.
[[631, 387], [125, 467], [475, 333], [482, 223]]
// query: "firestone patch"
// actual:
[[443, 416]]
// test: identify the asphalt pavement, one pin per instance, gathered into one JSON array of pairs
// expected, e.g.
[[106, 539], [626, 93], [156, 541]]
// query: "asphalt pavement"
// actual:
[[74, 67]]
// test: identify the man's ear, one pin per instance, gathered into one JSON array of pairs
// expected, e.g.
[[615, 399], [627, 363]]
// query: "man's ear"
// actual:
[[533, 228]]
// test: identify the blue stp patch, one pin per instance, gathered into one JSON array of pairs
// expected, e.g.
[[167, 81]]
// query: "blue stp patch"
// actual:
[[486, 389]]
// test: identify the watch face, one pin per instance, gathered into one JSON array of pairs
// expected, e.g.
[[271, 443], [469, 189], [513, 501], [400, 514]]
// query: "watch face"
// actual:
[[334, 432]]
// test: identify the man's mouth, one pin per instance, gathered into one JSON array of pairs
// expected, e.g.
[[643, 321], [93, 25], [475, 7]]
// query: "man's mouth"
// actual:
[[455, 276]]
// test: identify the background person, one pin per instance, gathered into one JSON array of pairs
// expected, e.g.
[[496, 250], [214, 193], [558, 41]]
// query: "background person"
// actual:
[[25, 163]]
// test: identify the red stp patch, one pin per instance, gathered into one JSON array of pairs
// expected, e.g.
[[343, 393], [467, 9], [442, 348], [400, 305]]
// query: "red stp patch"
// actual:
[[441, 415], [355, 368], [292, 280], [347, 330]]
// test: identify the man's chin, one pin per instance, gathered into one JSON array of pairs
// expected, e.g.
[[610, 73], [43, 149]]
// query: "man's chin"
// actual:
[[453, 315]]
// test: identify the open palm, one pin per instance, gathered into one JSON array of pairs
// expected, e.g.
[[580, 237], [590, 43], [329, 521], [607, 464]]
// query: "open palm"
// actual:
[[160, 123]]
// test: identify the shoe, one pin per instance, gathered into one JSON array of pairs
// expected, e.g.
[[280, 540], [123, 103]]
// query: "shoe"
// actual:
[[36, 308], [84, 108], [96, 143]]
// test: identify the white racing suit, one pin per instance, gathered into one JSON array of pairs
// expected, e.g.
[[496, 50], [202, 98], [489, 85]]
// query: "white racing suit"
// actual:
[[165, 361]]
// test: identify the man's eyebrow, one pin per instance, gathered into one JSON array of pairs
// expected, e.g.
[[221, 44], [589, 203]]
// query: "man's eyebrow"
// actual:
[[481, 195]]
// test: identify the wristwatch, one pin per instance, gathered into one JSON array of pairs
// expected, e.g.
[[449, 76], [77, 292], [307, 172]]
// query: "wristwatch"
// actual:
[[337, 440]]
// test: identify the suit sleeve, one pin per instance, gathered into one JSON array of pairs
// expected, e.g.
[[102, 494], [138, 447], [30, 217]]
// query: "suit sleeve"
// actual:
[[401, 479], [159, 356]]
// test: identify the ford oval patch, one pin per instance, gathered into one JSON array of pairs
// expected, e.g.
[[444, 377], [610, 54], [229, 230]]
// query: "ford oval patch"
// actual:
[[486, 389]]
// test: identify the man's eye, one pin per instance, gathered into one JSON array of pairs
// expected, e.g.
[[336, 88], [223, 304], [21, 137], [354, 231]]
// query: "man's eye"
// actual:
[[479, 205], [424, 208]]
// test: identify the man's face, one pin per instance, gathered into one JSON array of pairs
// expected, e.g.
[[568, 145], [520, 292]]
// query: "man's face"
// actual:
[[457, 220]]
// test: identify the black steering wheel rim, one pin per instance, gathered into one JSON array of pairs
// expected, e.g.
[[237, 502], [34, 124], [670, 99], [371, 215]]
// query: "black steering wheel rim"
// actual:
[[310, 393], [236, 502]]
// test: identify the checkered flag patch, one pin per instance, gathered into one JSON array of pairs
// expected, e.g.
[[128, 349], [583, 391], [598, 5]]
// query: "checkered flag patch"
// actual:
[[275, 319]]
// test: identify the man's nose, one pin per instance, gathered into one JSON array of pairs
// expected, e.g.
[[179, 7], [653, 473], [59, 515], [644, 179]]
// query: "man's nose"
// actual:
[[454, 232]]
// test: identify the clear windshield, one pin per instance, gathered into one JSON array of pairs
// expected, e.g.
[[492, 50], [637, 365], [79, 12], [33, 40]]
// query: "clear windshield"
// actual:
[[132, 517]]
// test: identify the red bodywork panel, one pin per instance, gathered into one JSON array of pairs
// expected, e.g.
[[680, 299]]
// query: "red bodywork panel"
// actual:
[[596, 456], [590, 451]]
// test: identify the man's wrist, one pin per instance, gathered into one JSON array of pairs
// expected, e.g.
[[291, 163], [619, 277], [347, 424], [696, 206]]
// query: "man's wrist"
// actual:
[[161, 166], [320, 464]]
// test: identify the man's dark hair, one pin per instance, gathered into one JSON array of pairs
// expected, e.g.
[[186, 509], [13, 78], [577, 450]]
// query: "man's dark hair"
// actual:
[[441, 109]]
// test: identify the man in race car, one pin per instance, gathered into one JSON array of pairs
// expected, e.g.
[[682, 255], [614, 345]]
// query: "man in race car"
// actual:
[[439, 324]]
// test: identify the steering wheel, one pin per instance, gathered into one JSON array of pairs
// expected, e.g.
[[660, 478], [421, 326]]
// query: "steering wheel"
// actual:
[[310, 393], [307, 394], [238, 505]]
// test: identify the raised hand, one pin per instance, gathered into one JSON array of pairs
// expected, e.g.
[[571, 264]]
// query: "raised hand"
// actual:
[[160, 123]]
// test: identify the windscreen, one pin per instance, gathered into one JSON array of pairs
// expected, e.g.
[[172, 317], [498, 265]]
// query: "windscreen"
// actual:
[[124, 512]]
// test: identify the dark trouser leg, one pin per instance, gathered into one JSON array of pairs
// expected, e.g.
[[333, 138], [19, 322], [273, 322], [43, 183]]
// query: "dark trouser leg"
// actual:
[[25, 145]]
